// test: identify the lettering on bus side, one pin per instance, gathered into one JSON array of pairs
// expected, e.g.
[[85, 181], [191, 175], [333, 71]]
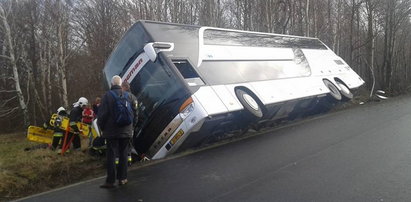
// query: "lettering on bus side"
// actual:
[[133, 70]]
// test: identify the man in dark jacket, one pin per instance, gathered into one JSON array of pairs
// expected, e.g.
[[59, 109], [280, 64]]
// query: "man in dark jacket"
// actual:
[[75, 116], [118, 137], [125, 86]]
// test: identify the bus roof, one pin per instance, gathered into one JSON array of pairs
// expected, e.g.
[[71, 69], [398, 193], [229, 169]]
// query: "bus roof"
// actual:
[[189, 40], [186, 26]]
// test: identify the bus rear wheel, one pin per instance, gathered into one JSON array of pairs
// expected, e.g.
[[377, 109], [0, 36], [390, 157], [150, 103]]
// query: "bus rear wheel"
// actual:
[[345, 91], [249, 102], [334, 92]]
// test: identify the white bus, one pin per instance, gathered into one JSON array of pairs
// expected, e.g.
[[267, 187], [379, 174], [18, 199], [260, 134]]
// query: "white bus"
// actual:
[[194, 82]]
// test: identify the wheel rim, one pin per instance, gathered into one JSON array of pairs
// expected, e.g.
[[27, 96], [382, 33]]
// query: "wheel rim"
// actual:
[[250, 101], [333, 90], [344, 88]]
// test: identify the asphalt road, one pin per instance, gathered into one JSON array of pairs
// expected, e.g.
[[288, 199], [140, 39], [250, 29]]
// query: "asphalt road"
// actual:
[[358, 154]]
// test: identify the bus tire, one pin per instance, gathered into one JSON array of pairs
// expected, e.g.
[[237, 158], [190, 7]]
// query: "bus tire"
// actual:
[[345, 91], [250, 102], [334, 92]]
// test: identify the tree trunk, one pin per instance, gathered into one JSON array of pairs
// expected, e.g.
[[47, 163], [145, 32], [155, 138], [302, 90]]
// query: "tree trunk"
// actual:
[[8, 39], [3, 70], [336, 40], [62, 60], [370, 44], [307, 18], [48, 76]]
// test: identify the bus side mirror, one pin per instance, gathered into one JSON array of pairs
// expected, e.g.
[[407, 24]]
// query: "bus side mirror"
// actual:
[[151, 49]]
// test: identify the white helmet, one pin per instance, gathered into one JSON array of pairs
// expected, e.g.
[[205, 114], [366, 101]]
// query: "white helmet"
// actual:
[[82, 101], [60, 109]]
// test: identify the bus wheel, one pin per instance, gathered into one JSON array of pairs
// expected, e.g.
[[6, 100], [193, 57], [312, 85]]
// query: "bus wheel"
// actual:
[[345, 91], [250, 102], [334, 92]]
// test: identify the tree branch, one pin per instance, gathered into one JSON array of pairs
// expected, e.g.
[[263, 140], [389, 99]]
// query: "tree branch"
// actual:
[[7, 77], [5, 113], [76, 49], [8, 91], [6, 101], [5, 57]]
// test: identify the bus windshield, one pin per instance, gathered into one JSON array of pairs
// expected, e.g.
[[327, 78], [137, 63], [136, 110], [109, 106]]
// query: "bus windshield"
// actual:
[[153, 86], [159, 89], [160, 93], [133, 41]]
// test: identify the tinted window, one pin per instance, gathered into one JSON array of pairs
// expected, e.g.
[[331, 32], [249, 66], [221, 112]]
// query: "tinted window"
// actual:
[[132, 42], [226, 72], [185, 69], [232, 38], [184, 37], [153, 85]]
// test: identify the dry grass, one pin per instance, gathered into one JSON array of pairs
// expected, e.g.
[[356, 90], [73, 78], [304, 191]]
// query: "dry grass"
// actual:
[[23, 173]]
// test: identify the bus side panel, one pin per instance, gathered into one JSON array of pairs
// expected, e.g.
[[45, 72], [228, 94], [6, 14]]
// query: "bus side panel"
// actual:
[[231, 89], [275, 91], [350, 80], [288, 89], [221, 52], [322, 62], [229, 99], [325, 64], [210, 101]]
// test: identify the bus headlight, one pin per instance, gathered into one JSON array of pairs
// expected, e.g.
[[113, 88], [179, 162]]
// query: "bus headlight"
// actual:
[[186, 108], [187, 111]]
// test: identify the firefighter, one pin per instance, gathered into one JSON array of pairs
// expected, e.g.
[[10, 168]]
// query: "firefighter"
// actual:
[[58, 131], [76, 116]]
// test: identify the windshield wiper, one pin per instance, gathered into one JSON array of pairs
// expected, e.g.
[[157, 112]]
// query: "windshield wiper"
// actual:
[[162, 103], [155, 108]]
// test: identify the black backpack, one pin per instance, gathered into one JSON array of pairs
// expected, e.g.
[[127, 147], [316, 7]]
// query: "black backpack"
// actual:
[[123, 113]]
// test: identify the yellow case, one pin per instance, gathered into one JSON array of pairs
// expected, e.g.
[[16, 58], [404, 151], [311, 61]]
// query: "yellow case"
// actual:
[[86, 130], [64, 124], [40, 135]]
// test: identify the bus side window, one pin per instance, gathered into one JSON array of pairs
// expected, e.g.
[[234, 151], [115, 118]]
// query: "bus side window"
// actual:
[[188, 73]]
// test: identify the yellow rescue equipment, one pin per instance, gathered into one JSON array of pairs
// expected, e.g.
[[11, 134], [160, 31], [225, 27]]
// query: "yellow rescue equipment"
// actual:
[[41, 135]]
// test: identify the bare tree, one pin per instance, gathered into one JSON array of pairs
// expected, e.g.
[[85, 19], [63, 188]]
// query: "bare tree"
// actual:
[[12, 61], [53, 51]]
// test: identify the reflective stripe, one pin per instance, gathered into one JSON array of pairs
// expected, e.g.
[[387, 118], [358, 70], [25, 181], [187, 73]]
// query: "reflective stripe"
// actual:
[[58, 135], [99, 148]]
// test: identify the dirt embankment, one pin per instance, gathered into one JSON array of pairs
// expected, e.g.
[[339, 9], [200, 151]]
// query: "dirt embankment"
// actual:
[[23, 173]]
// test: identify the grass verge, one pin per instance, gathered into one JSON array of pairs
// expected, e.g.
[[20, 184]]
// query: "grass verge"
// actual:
[[24, 173]]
